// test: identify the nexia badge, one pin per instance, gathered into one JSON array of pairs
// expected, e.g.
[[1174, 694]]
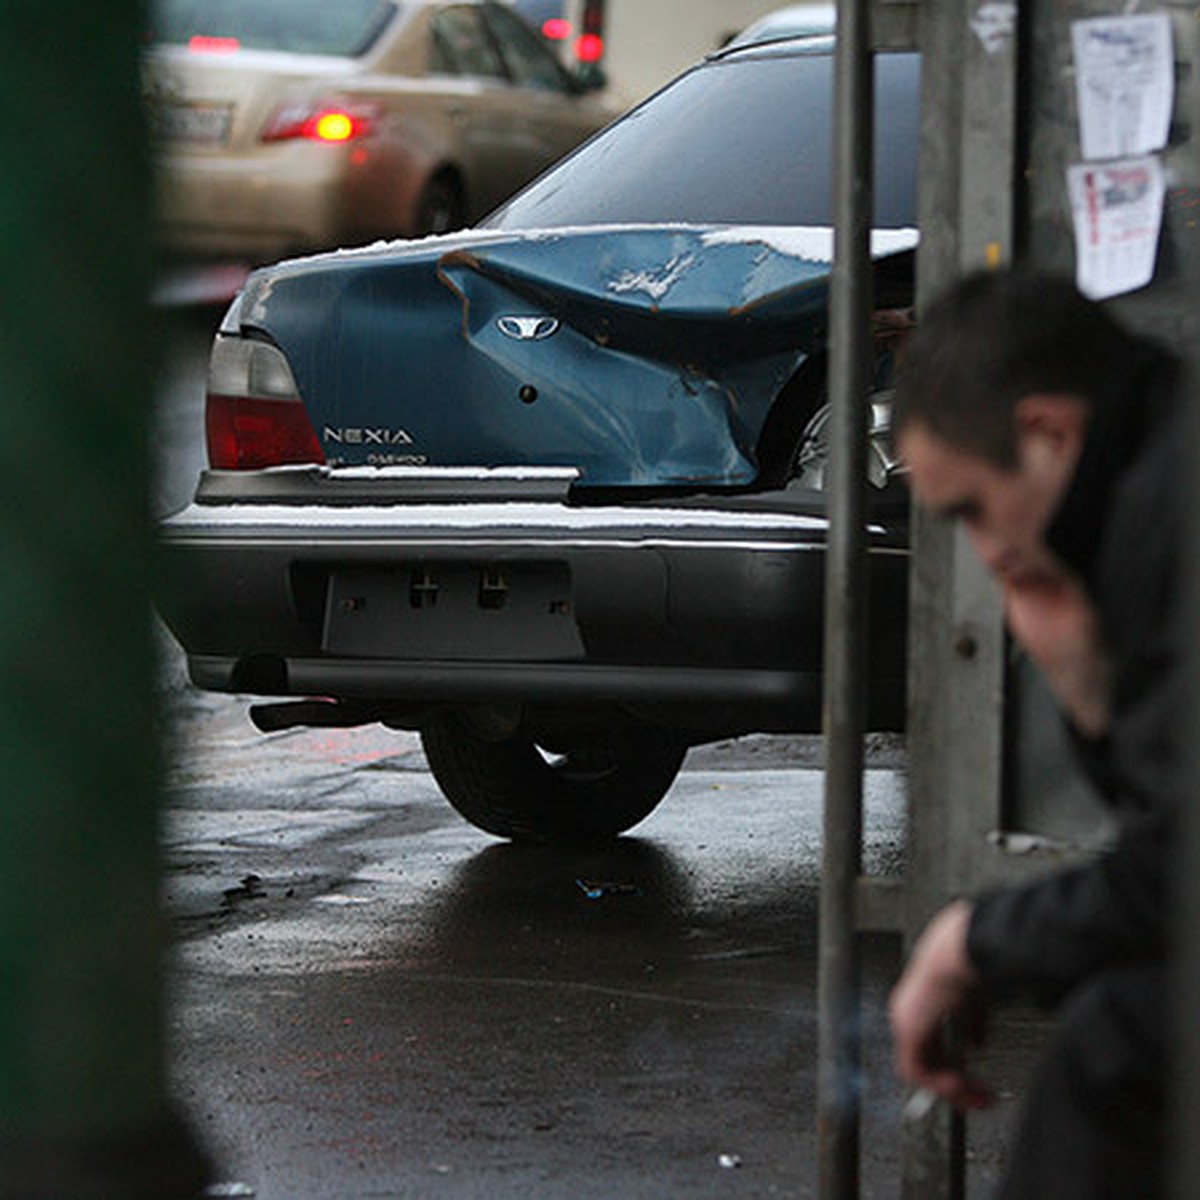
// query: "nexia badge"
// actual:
[[360, 436]]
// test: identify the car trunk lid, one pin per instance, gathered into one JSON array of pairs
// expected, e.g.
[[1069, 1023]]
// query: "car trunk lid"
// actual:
[[214, 102], [643, 357]]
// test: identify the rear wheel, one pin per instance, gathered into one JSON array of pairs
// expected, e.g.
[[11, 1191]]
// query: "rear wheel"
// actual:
[[810, 462], [590, 789]]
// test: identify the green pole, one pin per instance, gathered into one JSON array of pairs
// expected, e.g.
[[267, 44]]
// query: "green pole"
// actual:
[[83, 1104]]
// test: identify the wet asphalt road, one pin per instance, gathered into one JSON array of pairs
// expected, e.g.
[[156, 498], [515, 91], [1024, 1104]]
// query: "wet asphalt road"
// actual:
[[372, 999], [369, 998]]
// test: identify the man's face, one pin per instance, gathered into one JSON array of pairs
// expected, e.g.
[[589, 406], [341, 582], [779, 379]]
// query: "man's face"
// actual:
[[1004, 512]]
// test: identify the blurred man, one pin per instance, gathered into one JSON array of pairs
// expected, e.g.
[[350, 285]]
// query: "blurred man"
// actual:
[[1053, 435]]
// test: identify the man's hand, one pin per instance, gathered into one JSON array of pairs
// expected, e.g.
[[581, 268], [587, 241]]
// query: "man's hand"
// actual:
[[934, 1006], [1056, 624]]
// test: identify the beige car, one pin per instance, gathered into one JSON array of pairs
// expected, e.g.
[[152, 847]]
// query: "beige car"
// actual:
[[283, 126]]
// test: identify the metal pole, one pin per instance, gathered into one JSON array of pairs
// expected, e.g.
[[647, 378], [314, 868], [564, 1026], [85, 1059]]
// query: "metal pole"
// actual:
[[1184, 1078], [838, 1072], [83, 1098]]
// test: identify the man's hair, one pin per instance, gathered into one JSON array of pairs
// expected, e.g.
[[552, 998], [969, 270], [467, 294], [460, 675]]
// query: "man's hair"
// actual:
[[995, 337]]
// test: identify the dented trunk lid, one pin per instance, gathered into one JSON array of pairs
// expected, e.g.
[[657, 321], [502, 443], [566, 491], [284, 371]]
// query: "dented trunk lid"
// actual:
[[641, 356]]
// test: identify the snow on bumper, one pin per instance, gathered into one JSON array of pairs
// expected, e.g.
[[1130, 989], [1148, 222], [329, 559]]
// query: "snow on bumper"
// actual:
[[526, 601]]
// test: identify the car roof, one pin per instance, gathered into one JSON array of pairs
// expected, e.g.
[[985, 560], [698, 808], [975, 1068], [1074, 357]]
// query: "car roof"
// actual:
[[796, 20]]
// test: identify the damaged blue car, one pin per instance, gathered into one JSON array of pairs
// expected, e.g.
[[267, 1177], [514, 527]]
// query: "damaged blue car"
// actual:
[[549, 490]]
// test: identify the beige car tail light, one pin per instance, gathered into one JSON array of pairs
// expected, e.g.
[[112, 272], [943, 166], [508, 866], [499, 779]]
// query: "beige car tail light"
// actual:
[[331, 122]]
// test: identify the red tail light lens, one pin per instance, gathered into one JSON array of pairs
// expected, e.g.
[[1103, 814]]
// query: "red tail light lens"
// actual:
[[335, 127], [254, 415], [247, 435], [589, 48], [320, 123], [206, 44], [556, 29]]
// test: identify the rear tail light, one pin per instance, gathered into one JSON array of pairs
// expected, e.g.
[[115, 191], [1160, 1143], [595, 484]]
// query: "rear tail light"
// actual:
[[208, 44], [589, 48], [321, 123], [556, 29], [254, 415]]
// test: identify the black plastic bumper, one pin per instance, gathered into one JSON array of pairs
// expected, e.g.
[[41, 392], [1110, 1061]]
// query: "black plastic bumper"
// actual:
[[699, 607]]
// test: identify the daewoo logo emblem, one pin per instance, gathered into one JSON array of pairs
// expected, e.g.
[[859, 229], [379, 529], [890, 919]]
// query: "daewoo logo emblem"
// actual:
[[528, 329]]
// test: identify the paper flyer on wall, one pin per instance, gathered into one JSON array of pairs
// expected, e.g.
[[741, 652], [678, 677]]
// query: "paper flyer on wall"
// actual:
[[1125, 84], [1118, 210]]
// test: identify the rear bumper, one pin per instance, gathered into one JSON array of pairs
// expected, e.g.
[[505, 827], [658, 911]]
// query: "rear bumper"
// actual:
[[703, 610], [279, 200]]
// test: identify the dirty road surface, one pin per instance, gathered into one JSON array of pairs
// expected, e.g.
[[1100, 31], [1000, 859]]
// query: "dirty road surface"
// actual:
[[372, 999]]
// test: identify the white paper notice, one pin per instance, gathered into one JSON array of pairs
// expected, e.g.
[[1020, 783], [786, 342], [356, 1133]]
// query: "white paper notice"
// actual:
[[1117, 209], [1125, 82]]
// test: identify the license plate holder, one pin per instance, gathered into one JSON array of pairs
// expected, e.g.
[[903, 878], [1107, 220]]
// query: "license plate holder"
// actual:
[[513, 611], [201, 124]]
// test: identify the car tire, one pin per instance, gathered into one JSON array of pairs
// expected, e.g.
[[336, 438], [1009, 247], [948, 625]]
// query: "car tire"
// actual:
[[590, 792], [442, 207]]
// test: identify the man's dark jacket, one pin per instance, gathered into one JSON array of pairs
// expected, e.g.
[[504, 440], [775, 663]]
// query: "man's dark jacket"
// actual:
[[1119, 528]]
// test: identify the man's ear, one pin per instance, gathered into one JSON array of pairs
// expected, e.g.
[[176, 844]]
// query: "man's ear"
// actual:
[[1055, 421]]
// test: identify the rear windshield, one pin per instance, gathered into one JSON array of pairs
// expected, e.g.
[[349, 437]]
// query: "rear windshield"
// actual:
[[746, 140], [341, 28]]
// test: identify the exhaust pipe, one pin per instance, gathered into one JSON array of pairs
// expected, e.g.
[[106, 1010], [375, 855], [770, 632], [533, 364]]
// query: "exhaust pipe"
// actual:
[[316, 714]]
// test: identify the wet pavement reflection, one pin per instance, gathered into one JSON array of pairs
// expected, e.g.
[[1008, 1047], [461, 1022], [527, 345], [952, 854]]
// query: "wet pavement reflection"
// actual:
[[372, 999]]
